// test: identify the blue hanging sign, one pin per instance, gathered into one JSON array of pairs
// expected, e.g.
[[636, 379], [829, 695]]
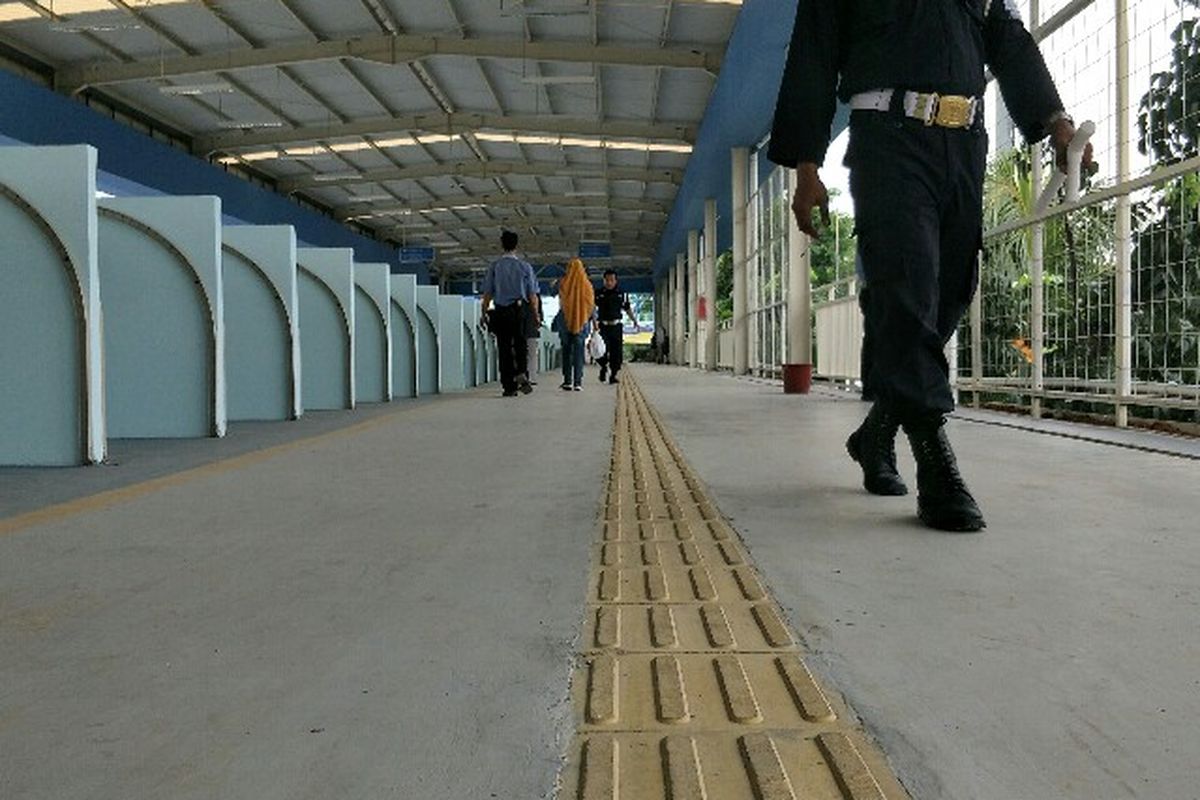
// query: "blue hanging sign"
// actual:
[[595, 250], [416, 255]]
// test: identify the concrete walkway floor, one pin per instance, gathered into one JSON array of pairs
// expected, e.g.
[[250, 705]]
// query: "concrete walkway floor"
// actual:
[[389, 603], [1052, 656], [388, 610]]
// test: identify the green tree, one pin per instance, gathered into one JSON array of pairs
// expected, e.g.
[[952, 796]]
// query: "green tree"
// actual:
[[834, 251], [1166, 253], [725, 286]]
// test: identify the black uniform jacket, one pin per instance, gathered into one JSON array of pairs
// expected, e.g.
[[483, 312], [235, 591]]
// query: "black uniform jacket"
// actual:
[[610, 303], [843, 47]]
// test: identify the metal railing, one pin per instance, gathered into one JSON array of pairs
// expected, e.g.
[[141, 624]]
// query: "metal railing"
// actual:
[[1095, 304]]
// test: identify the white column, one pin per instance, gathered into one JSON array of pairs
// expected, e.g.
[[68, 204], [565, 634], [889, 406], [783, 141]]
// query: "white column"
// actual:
[[977, 340], [740, 157], [799, 288], [680, 343], [1124, 283], [669, 316], [1037, 294], [693, 275], [710, 284]]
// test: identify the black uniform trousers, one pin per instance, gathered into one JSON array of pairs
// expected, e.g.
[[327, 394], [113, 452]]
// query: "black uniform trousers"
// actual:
[[614, 348], [508, 325], [918, 200]]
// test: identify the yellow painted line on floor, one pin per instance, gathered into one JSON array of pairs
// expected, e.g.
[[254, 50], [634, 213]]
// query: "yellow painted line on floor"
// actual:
[[691, 686], [112, 497]]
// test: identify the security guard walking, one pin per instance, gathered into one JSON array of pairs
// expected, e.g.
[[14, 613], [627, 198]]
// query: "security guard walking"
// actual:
[[912, 72], [512, 285], [610, 302]]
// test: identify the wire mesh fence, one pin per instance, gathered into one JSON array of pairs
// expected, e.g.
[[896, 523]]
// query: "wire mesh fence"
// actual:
[[1101, 293]]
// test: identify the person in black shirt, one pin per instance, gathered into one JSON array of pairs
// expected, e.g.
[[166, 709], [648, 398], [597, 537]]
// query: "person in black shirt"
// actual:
[[912, 72], [610, 302]]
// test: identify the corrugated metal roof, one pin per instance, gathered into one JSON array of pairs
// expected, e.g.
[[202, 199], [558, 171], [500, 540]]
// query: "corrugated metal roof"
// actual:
[[426, 120]]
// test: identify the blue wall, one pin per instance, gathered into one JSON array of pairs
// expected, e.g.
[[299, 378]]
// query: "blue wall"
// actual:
[[36, 115], [739, 115]]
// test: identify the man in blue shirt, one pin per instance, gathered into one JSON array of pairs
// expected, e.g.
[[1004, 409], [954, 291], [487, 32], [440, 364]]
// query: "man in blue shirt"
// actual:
[[511, 284]]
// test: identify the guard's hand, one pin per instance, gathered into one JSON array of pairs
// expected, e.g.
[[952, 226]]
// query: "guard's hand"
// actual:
[[810, 194], [1061, 134]]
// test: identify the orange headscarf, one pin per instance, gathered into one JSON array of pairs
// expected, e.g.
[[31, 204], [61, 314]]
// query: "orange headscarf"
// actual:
[[576, 296]]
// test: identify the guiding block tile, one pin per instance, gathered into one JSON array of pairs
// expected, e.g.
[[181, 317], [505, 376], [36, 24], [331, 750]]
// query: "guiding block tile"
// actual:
[[692, 687]]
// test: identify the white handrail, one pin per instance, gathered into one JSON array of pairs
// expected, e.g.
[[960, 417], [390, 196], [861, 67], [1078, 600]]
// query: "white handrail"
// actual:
[[1074, 170]]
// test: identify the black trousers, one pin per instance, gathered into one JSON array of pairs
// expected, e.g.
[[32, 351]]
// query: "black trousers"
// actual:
[[918, 199], [508, 325], [614, 348]]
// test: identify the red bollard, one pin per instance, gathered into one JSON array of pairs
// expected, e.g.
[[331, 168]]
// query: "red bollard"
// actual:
[[797, 378]]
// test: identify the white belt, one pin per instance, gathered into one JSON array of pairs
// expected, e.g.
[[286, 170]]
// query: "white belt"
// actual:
[[948, 111]]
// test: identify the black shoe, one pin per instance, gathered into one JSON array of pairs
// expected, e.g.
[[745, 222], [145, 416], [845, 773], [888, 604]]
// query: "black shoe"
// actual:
[[943, 500], [613, 378], [603, 373], [509, 393], [524, 386], [873, 446]]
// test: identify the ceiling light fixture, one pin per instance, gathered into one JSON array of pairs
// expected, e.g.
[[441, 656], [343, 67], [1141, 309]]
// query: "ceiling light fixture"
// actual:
[[554, 80], [94, 27], [193, 89], [328, 177], [233, 124]]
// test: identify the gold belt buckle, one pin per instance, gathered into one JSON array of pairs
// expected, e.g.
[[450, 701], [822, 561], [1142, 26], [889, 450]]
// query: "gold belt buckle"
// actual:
[[953, 111]]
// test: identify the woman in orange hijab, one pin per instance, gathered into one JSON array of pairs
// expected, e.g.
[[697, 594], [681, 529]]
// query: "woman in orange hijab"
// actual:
[[577, 301]]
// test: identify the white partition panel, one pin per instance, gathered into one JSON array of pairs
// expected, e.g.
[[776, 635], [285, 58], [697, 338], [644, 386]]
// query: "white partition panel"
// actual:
[[326, 282], [373, 333], [405, 349], [429, 358], [262, 323], [493, 355], [839, 330], [164, 330], [480, 340], [470, 346], [51, 385], [451, 341]]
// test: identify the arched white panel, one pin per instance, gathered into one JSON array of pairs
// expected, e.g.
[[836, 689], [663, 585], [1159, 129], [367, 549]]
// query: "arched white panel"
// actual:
[[404, 354], [42, 398], [258, 343], [324, 346], [51, 344], [370, 351], [160, 281], [405, 373], [450, 337], [430, 355], [272, 248], [468, 357], [427, 354], [333, 267], [373, 321]]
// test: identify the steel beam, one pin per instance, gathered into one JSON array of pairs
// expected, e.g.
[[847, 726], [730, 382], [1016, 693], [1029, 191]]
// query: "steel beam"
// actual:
[[453, 123], [485, 169], [389, 49], [512, 199]]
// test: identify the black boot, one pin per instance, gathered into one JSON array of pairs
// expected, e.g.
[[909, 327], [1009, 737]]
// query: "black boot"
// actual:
[[943, 501], [873, 446]]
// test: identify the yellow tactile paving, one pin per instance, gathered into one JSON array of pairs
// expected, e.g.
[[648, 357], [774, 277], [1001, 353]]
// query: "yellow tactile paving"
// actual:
[[691, 686]]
